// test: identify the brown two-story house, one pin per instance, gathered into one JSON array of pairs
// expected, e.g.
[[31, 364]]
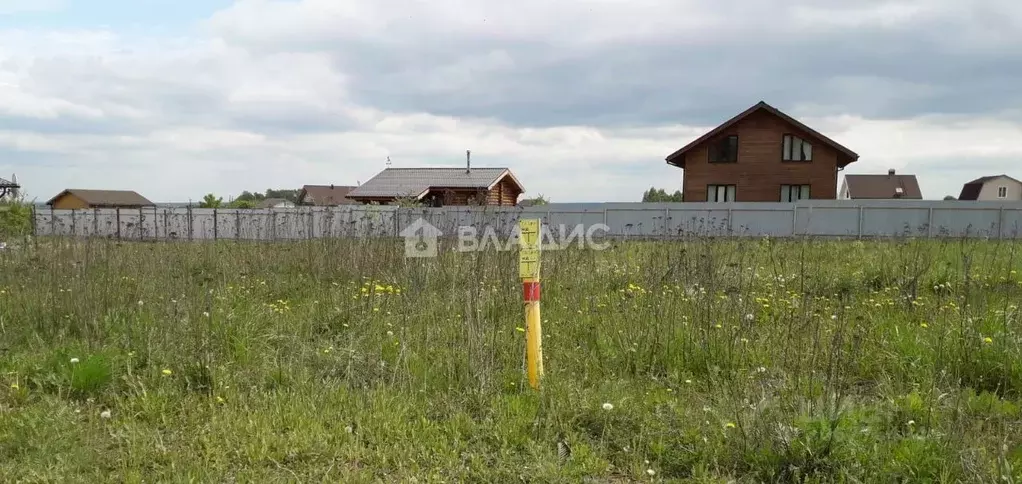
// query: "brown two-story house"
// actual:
[[761, 155]]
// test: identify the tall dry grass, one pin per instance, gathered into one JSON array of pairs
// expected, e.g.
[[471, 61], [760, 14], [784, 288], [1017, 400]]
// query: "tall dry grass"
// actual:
[[341, 360]]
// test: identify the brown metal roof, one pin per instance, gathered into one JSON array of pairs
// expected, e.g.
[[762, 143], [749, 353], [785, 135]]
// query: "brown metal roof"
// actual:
[[883, 187], [971, 190], [325, 195], [673, 158], [106, 198]]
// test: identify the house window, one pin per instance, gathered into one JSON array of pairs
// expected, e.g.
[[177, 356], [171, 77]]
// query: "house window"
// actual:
[[720, 193], [797, 149], [1002, 192], [724, 150], [793, 193]]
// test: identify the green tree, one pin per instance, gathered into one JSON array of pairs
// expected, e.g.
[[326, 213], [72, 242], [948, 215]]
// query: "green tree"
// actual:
[[211, 201], [656, 195], [533, 202], [15, 219], [238, 203], [289, 195], [949, 197], [248, 196]]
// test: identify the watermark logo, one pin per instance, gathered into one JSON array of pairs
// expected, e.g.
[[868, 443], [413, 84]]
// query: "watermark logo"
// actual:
[[421, 238]]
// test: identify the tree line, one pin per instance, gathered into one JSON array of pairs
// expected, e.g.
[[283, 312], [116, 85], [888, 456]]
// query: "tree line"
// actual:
[[659, 195], [248, 199]]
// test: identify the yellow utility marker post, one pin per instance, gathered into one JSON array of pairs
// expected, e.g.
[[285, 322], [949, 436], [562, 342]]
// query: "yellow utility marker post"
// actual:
[[528, 270]]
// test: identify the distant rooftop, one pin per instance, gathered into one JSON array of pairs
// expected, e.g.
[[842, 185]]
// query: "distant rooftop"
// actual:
[[415, 182]]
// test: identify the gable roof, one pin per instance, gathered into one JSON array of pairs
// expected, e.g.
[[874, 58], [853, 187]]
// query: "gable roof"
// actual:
[[971, 190], [325, 195], [416, 182], [5, 183], [677, 158], [882, 187], [106, 198]]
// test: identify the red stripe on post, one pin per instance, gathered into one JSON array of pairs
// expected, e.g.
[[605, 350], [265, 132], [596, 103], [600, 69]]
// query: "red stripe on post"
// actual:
[[530, 291]]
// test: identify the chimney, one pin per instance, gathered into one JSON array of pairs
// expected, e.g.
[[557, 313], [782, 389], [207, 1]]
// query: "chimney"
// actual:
[[468, 161], [890, 172]]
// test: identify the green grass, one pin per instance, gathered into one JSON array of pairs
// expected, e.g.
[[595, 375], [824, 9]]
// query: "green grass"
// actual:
[[342, 361]]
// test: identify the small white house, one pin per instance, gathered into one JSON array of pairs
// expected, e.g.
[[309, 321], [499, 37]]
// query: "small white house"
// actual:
[[996, 188], [275, 203]]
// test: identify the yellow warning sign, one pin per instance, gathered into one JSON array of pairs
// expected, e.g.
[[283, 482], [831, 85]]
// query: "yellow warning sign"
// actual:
[[528, 263], [528, 233]]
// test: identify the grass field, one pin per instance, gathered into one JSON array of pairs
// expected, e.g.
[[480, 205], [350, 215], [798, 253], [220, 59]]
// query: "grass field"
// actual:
[[342, 361]]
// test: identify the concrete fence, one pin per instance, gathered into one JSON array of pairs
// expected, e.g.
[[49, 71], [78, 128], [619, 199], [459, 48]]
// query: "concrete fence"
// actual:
[[824, 218]]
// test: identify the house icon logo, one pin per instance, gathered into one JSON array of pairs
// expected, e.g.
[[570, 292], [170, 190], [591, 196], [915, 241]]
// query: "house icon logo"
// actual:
[[421, 239]]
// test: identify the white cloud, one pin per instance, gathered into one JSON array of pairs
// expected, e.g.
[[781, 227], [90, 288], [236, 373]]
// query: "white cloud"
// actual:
[[265, 100], [8, 7]]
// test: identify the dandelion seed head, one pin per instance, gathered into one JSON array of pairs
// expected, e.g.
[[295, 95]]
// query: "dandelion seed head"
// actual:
[[74, 361], [608, 406]]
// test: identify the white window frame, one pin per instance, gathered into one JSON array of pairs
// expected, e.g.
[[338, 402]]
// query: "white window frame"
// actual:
[[714, 193], [794, 193], [1002, 191], [791, 144]]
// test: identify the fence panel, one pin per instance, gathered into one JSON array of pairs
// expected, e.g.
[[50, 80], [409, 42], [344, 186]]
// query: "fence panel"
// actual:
[[829, 218]]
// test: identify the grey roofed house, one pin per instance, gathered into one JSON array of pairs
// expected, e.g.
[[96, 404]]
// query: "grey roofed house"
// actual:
[[880, 187], [416, 183], [325, 195], [992, 188]]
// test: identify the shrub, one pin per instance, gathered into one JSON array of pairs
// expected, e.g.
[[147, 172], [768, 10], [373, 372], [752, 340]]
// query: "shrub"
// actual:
[[15, 219]]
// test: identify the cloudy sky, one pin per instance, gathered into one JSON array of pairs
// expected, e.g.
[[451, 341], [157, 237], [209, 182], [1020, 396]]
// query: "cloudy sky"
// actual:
[[582, 99]]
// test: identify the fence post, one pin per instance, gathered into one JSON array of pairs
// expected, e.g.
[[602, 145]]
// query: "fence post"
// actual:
[[237, 224], [794, 220], [95, 221], [73, 231], [730, 224], [929, 223], [216, 225], [273, 225], [141, 224], [166, 225], [118, 218], [667, 215], [1000, 222], [53, 221], [860, 222], [191, 224]]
